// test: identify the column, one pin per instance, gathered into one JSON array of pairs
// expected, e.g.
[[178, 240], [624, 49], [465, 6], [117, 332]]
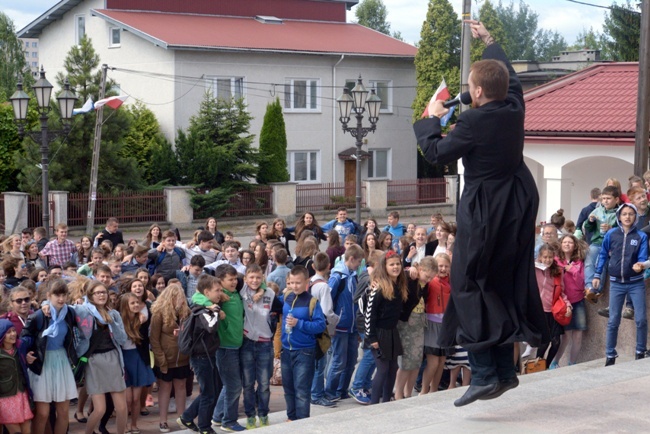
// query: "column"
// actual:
[[377, 196], [452, 188], [15, 211], [60, 212], [179, 210], [284, 199]]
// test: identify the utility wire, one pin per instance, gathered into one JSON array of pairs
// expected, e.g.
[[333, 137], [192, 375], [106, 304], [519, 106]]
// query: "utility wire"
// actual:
[[611, 8]]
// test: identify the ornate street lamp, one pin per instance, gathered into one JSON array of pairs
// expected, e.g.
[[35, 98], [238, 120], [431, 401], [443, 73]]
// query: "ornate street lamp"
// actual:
[[358, 101], [19, 100]]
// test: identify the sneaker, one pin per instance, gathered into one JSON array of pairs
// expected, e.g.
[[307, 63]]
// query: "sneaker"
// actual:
[[172, 406], [639, 356], [235, 427], [216, 422], [610, 361], [591, 296], [189, 425], [323, 402], [604, 312], [359, 396], [208, 431], [264, 421], [251, 422], [628, 313], [333, 399], [418, 387], [554, 365], [164, 427]]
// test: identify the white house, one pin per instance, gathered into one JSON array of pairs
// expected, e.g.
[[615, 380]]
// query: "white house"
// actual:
[[579, 132], [168, 53]]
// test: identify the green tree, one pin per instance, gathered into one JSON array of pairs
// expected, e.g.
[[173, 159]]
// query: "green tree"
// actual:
[[9, 147], [622, 33], [548, 44], [489, 17], [142, 139], [373, 14], [71, 156], [588, 39], [438, 57], [12, 59], [164, 167], [273, 145]]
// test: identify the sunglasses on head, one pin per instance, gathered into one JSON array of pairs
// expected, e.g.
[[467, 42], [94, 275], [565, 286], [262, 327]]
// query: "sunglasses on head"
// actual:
[[22, 300]]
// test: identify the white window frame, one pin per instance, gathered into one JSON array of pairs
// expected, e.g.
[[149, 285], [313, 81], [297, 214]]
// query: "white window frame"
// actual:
[[312, 84], [389, 93], [212, 85], [291, 157], [77, 36], [111, 43], [372, 163]]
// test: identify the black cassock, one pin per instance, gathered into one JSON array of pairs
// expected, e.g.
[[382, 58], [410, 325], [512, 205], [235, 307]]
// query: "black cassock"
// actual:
[[494, 298]]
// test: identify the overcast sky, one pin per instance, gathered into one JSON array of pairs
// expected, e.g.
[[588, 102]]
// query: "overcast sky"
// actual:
[[406, 16]]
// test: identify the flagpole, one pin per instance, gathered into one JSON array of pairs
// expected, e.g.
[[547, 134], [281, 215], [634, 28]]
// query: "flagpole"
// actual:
[[92, 196]]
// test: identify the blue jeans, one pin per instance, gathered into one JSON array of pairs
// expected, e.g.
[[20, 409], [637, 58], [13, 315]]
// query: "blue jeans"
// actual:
[[257, 365], [344, 358], [492, 365], [207, 375], [318, 383], [635, 291], [227, 407], [297, 375], [363, 376]]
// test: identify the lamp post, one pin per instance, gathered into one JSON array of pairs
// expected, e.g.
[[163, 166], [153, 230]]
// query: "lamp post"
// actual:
[[43, 91], [358, 101]]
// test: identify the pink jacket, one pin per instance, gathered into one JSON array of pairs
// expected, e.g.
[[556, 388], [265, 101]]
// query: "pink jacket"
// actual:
[[545, 283], [574, 279]]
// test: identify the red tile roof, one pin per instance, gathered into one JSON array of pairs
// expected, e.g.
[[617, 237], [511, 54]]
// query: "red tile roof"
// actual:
[[182, 31], [598, 99]]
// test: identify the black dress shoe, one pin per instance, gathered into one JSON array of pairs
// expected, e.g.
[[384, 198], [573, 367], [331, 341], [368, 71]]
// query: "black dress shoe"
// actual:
[[639, 356], [476, 392], [504, 386], [610, 361]]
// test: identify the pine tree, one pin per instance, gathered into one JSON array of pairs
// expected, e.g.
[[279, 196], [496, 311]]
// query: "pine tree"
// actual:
[[273, 146], [490, 19], [143, 139], [12, 59], [622, 33], [372, 14]]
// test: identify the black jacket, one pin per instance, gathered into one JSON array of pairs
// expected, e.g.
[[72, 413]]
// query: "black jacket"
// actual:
[[34, 327], [429, 249], [205, 338]]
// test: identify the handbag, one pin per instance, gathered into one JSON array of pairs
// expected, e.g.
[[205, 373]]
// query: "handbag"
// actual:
[[535, 365], [559, 308]]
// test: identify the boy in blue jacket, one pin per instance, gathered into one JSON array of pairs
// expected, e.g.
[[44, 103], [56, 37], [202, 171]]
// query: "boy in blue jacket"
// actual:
[[299, 330], [627, 249], [341, 224]]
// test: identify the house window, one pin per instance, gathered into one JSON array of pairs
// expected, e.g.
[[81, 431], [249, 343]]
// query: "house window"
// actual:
[[34, 54], [301, 95], [379, 163], [304, 166], [114, 36], [34, 64], [80, 27], [226, 87], [34, 44], [383, 89], [26, 44]]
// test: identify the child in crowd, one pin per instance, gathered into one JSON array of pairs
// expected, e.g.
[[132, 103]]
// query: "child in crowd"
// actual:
[[395, 228], [302, 320], [341, 224], [189, 276], [59, 251], [231, 257], [279, 275], [334, 247], [137, 260], [166, 259], [96, 259], [385, 241]]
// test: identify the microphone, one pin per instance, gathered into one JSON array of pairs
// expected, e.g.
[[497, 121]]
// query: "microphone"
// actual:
[[465, 98]]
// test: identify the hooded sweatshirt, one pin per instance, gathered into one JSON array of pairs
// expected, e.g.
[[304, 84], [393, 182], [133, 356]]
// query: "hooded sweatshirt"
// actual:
[[343, 283], [602, 215]]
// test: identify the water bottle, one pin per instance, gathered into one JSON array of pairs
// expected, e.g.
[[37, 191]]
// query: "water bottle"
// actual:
[[287, 327]]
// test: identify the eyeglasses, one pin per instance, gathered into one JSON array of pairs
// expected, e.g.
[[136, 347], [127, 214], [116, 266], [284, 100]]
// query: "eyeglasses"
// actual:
[[100, 293], [22, 300]]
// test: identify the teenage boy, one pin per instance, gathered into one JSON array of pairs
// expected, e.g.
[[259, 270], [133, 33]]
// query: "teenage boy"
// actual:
[[279, 275], [96, 259], [26, 237], [205, 304], [261, 310], [58, 251], [116, 267], [320, 290], [343, 281], [189, 276], [111, 232], [341, 224], [601, 220], [627, 250], [231, 257], [594, 195], [396, 229], [300, 325], [204, 247], [167, 259], [138, 260], [231, 335], [39, 237]]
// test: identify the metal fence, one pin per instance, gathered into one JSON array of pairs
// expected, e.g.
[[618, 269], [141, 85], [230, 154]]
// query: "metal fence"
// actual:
[[417, 191], [126, 206], [35, 212], [328, 196], [2, 213], [257, 201]]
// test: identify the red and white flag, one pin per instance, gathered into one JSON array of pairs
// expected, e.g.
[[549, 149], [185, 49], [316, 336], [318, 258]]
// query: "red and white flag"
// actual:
[[113, 102], [442, 93]]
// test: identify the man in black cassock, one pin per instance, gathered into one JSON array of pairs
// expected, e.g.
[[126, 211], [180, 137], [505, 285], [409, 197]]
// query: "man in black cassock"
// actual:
[[494, 297]]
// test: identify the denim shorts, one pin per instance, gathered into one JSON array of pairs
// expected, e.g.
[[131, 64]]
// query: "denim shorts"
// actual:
[[578, 317]]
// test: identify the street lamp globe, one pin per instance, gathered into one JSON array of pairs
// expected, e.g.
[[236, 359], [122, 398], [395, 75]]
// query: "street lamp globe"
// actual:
[[43, 90], [359, 94], [374, 104], [19, 101], [66, 100], [345, 102]]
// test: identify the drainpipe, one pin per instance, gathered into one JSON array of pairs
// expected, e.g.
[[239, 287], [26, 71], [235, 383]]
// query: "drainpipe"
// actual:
[[334, 123]]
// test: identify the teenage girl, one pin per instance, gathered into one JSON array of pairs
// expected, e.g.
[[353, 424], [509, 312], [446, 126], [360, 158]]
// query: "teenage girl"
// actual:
[[412, 325], [279, 232], [307, 221], [388, 293], [262, 231], [571, 260], [153, 237], [15, 412], [437, 299], [548, 275], [385, 241]]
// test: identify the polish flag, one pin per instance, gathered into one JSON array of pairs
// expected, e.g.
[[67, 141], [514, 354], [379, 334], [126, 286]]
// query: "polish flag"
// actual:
[[441, 94], [113, 102]]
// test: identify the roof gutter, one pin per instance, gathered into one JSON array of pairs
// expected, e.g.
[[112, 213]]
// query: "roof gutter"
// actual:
[[580, 134], [334, 118]]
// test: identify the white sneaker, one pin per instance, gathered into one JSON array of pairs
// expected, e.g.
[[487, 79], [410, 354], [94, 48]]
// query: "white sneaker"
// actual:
[[527, 351], [172, 406]]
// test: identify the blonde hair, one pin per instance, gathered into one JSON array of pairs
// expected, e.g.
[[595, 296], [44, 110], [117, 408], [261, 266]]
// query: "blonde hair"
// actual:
[[382, 281], [165, 305]]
